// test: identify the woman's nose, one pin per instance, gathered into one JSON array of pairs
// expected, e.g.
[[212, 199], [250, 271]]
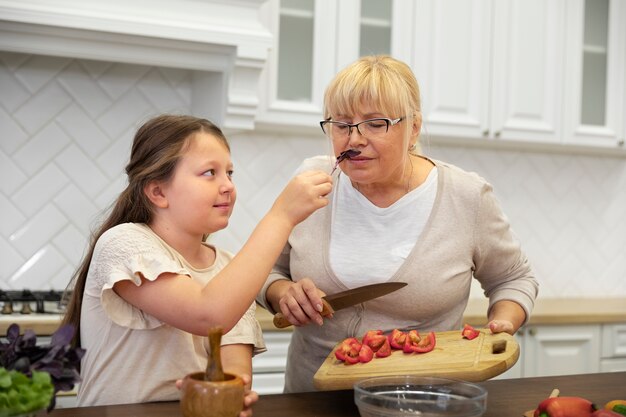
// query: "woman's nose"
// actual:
[[355, 137]]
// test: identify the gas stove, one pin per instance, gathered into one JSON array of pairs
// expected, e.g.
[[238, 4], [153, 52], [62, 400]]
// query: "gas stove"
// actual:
[[27, 302]]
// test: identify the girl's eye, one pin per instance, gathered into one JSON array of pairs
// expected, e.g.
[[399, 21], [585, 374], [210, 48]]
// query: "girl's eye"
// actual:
[[209, 173], [230, 173]]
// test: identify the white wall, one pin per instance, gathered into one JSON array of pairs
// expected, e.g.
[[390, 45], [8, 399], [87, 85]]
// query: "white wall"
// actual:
[[65, 132]]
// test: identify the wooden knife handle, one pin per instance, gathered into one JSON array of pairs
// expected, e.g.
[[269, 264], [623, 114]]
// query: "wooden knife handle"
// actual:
[[280, 321]]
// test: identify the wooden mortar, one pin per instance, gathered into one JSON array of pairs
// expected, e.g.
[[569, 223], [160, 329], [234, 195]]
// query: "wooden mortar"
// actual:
[[212, 393]]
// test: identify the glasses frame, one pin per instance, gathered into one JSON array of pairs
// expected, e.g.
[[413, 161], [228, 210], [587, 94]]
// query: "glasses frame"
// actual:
[[390, 122]]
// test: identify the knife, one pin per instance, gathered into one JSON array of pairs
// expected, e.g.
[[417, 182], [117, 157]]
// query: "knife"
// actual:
[[343, 299]]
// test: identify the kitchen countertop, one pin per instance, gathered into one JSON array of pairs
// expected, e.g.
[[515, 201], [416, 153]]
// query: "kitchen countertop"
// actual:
[[505, 397], [547, 311]]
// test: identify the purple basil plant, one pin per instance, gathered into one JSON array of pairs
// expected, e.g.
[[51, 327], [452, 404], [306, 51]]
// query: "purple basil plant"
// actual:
[[59, 359]]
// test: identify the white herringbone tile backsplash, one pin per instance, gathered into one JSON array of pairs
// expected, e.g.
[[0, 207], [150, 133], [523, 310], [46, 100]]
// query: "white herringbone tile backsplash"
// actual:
[[65, 132]]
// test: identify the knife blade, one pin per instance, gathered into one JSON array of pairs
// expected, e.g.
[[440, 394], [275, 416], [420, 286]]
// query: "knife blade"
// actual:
[[348, 298]]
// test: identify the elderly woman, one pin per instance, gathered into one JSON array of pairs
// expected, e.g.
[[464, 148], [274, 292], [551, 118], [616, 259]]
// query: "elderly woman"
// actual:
[[394, 215]]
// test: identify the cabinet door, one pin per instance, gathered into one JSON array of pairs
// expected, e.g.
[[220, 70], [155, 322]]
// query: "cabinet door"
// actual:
[[451, 61], [269, 367], [301, 63], [527, 80], [561, 350], [595, 77]]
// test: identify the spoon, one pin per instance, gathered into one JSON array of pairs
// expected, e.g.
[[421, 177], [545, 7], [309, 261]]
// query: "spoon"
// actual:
[[350, 153], [214, 371]]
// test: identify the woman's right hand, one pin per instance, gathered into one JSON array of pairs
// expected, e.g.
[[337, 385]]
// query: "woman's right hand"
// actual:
[[301, 302], [304, 194]]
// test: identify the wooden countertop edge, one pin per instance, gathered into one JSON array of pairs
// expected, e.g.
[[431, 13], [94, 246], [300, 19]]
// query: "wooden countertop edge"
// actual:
[[547, 311]]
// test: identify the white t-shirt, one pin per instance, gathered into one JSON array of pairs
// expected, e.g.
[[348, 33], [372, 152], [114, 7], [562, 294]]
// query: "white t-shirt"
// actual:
[[386, 236], [132, 356]]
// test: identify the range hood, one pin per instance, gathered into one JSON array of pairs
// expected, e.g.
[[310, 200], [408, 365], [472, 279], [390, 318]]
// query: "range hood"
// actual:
[[223, 42]]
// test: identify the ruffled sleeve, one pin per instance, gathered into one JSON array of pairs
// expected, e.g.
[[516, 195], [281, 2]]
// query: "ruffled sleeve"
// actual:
[[247, 331], [128, 252]]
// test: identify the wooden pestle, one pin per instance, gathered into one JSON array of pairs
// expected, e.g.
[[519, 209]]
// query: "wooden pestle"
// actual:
[[214, 371]]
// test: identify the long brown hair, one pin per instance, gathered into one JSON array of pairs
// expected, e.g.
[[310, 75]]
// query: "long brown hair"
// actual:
[[157, 148]]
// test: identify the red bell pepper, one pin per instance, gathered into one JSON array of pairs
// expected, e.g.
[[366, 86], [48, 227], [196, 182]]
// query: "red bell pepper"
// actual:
[[396, 339], [606, 413], [565, 407], [469, 332]]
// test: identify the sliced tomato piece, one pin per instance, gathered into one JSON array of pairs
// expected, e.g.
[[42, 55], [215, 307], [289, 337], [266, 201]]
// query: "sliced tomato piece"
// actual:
[[352, 353], [411, 341], [369, 335], [426, 344], [345, 347], [469, 332], [385, 349], [365, 353], [396, 339]]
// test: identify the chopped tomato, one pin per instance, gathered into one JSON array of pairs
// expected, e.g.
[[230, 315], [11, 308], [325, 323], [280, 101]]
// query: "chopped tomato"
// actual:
[[365, 353], [385, 350], [426, 344], [345, 347], [370, 334], [469, 332], [396, 339], [411, 341], [352, 353]]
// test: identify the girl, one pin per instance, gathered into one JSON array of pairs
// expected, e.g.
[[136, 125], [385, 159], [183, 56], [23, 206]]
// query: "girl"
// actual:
[[149, 287]]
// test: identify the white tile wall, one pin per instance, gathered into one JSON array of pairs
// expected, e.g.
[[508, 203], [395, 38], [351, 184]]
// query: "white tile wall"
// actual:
[[65, 132]]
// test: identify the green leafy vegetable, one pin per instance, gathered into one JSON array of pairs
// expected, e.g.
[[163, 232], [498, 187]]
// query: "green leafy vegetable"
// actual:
[[20, 394]]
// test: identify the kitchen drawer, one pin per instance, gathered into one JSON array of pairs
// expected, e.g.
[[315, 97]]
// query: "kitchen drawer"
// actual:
[[613, 365], [270, 383], [614, 340], [275, 359]]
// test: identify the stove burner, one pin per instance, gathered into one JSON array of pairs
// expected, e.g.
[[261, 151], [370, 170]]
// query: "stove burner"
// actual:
[[46, 302]]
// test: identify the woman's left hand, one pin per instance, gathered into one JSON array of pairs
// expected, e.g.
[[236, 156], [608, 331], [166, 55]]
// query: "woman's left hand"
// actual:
[[249, 398], [501, 326]]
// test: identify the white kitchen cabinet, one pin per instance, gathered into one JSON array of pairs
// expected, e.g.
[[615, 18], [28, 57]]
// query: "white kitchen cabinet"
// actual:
[[526, 71], [523, 71], [613, 356], [595, 100], [314, 39], [558, 350], [269, 367], [561, 350]]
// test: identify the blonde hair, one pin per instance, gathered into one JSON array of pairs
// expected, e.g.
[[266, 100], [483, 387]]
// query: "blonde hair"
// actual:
[[380, 80]]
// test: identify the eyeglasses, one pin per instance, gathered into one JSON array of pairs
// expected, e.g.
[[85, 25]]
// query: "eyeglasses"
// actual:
[[370, 129]]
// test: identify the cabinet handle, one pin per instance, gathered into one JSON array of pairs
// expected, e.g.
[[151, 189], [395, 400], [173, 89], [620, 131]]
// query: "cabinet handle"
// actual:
[[486, 132], [620, 142], [497, 134], [532, 331]]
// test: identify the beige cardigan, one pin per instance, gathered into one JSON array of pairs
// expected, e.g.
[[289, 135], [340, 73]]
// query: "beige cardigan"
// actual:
[[466, 236]]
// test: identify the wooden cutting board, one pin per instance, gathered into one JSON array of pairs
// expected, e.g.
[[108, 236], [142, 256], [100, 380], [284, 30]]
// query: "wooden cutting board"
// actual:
[[452, 357]]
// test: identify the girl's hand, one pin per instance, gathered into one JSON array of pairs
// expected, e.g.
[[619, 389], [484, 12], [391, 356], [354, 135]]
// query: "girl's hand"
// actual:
[[301, 303], [501, 326], [250, 397], [304, 194]]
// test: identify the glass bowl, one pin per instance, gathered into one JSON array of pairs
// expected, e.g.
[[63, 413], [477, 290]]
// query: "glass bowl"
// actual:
[[404, 396]]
